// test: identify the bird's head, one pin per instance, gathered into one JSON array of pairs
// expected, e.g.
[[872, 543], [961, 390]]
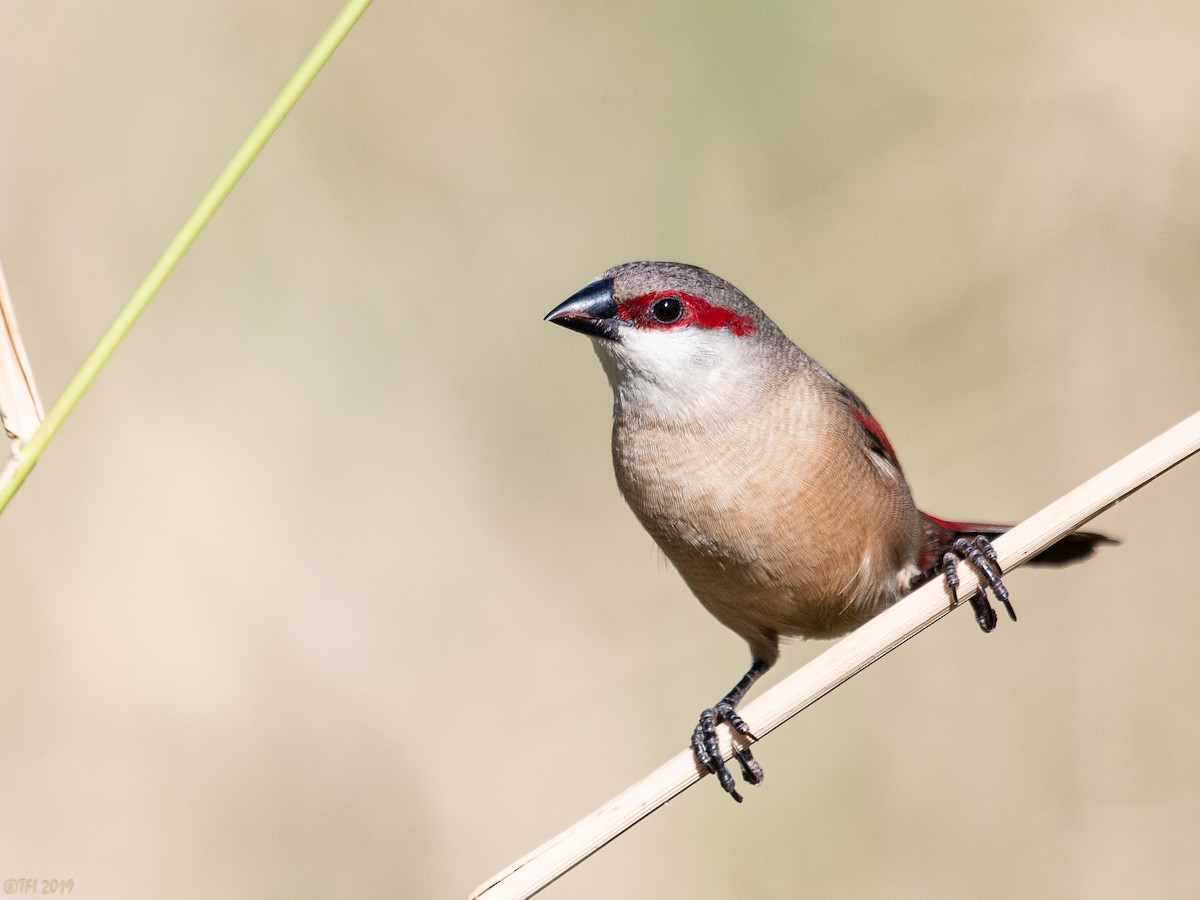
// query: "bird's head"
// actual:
[[676, 339]]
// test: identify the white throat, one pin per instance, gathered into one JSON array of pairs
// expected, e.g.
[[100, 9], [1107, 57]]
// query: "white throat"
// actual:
[[676, 378]]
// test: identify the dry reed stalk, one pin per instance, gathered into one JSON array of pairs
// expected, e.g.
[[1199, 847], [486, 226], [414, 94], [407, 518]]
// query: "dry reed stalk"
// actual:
[[20, 407], [842, 661]]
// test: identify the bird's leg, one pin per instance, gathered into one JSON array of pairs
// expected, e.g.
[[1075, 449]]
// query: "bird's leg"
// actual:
[[979, 553], [707, 749]]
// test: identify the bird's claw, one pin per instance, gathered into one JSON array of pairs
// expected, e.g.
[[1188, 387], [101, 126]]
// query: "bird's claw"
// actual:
[[707, 749], [980, 554]]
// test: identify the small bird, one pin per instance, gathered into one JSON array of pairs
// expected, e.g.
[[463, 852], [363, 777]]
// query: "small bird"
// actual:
[[765, 481]]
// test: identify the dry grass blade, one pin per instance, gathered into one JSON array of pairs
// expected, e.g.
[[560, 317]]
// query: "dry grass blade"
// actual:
[[842, 661], [20, 407]]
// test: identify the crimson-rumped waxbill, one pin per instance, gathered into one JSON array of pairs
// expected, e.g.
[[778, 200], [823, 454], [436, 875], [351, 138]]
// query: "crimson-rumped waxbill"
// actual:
[[765, 480]]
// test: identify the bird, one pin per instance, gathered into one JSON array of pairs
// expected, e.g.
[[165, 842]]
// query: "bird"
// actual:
[[764, 480]]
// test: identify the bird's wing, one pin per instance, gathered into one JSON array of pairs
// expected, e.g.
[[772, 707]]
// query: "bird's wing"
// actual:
[[875, 440]]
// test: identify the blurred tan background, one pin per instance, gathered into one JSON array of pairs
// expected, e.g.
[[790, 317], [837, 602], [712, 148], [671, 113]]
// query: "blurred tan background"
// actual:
[[327, 591]]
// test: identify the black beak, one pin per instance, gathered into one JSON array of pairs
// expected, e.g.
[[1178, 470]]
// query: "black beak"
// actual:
[[592, 311]]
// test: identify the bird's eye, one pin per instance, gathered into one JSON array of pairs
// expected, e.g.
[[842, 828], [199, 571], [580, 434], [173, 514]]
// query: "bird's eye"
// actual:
[[667, 310]]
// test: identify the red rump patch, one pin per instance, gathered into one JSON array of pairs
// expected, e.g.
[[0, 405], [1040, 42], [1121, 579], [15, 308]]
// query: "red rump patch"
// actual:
[[697, 312]]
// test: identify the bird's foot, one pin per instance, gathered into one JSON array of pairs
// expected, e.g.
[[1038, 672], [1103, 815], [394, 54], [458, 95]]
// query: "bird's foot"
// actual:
[[707, 749], [979, 554]]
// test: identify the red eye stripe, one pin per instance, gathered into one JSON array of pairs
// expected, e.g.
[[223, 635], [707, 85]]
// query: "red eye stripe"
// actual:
[[697, 312]]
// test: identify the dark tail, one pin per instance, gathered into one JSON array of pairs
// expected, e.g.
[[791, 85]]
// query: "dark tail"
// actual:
[[941, 534]]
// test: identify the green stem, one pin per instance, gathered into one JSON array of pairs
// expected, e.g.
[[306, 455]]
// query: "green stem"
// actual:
[[200, 216]]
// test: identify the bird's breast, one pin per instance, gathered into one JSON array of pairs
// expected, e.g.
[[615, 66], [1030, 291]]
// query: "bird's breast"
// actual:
[[778, 522]]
